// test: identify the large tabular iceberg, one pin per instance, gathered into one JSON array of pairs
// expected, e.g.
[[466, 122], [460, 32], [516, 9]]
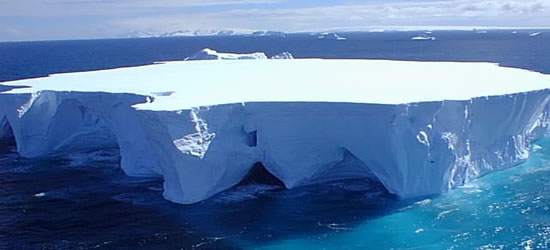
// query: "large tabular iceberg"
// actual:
[[419, 128]]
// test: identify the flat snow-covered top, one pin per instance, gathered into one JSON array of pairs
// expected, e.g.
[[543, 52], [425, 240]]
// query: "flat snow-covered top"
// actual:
[[187, 84]]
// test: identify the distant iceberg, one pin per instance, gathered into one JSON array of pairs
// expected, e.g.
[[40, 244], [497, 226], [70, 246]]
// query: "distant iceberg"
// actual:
[[535, 34], [204, 125], [330, 36], [269, 33], [424, 37], [139, 34], [210, 54]]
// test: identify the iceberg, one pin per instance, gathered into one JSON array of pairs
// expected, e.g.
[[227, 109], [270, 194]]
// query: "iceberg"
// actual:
[[424, 37], [269, 33], [419, 128], [210, 54], [330, 36]]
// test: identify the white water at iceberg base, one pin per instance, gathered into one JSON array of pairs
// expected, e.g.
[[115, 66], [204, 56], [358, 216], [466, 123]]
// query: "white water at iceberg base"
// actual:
[[413, 149]]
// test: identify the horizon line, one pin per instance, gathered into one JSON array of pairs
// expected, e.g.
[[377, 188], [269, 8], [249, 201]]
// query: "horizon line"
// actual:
[[350, 29]]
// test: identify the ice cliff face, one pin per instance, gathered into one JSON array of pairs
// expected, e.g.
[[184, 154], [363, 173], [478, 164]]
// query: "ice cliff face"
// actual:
[[203, 134]]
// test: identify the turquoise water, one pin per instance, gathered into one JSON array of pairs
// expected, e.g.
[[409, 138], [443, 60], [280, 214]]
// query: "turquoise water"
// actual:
[[509, 209]]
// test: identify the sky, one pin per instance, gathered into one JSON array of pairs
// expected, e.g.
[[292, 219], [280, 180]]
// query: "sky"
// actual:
[[83, 19]]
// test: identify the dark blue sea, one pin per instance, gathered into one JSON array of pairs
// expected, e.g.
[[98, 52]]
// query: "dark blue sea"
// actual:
[[84, 201]]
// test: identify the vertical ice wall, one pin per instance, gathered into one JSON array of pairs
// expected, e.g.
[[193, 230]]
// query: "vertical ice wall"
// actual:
[[412, 149]]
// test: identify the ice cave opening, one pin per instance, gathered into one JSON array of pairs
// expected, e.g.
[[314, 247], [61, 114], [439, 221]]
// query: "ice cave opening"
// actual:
[[7, 139], [258, 174]]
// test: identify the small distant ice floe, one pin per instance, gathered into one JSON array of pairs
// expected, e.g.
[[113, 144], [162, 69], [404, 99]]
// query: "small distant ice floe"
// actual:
[[210, 54], [40, 195], [445, 213], [536, 147], [330, 36], [534, 34], [424, 37], [423, 202], [334, 226], [481, 31]]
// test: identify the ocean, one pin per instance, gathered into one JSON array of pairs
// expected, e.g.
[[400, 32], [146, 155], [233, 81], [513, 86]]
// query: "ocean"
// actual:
[[84, 201]]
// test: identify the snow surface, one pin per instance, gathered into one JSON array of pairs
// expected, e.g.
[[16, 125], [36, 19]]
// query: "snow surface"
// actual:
[[186, 84], [419, 128]]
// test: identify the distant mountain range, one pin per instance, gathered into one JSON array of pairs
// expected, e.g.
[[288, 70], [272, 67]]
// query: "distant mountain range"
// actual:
[[323, 35], [178, 33]]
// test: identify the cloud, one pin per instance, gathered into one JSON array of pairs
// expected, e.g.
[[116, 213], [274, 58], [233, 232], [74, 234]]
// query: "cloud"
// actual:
[[49, 8], [11, 31], [458, 12]]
